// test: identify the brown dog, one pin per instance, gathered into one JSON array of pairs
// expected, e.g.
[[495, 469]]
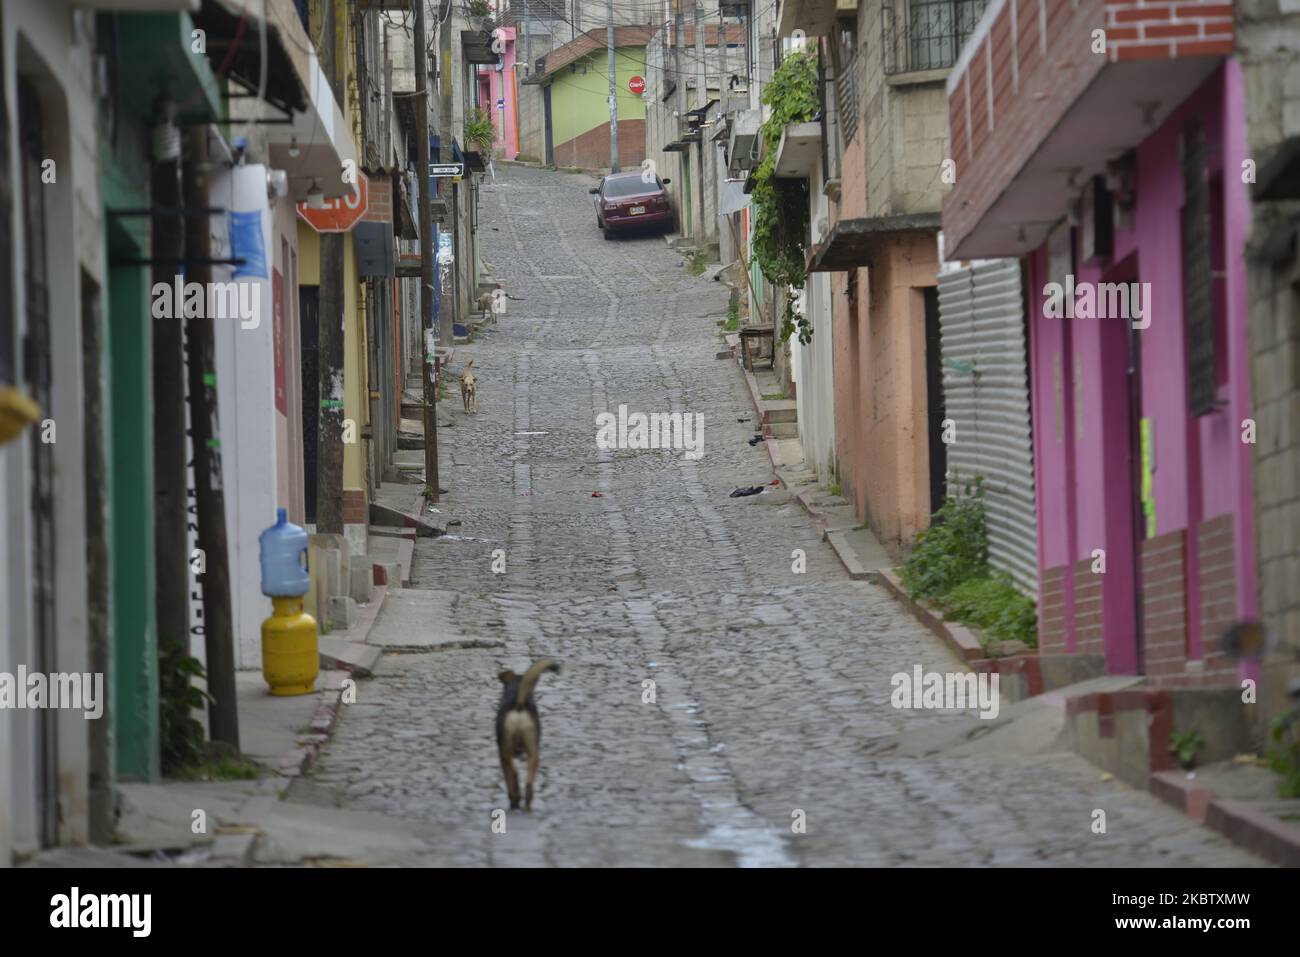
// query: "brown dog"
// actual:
[[519, 728], [469, 388]]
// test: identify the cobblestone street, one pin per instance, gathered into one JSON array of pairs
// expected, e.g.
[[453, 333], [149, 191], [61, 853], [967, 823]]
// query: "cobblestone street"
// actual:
[[628, 566]]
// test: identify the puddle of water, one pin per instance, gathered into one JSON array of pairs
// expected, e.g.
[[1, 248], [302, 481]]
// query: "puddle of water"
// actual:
[[753, 845]]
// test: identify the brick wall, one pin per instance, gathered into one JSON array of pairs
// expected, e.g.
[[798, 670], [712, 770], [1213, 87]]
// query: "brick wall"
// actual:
[[591, 149], [1088, 631], [1021, 76], [1218, 577], [1151, 30], [1164, 606], [355, 511], [379, 209], [1051, 611]]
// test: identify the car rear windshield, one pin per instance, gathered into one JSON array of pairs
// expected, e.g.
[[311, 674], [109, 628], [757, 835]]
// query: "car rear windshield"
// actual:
[[629, 186]]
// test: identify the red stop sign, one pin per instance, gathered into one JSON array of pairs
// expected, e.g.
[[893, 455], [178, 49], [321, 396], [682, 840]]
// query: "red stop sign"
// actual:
[[636, 84], [341, 214]]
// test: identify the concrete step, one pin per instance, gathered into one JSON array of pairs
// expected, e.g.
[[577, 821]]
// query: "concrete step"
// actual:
[[342, 612], [783, 430], [781, 410], [342, 654]]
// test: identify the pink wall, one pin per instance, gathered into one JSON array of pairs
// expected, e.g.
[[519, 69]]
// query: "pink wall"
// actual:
[[500, 84], [1202, 469]]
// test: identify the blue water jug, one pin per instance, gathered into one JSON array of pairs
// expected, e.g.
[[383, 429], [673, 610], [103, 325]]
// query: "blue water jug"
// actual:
[[284, 559]]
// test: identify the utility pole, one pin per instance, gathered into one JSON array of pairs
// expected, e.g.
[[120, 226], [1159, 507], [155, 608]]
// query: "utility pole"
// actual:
[[679, 100], [613, 91], [430, 406], [701, 101], [329, 450], [171, 565], [205, 437], [724, 87]]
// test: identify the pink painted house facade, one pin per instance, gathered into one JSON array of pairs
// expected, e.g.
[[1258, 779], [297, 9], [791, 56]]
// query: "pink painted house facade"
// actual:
[[496, 91], [1112, 173]]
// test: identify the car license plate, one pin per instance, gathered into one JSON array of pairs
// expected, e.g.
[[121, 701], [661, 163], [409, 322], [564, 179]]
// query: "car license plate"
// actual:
[[637, 210]]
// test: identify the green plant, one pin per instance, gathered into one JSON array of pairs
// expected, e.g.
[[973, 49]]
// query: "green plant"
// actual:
[[427, 491], [1184, 745], [696, 264], [994, 605], [835, 487], [182, 737], [479, 8], [479, 132], [773, 396], [220, 762], [1284, 758], [781, 205], [953, 549], [733, 317]]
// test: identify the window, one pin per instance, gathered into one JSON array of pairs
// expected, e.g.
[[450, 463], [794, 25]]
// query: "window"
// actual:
[[930, 34], [1198, 273], [628, 186]]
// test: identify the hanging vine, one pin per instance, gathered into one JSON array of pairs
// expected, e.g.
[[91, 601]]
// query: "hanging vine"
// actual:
[[781, 205]]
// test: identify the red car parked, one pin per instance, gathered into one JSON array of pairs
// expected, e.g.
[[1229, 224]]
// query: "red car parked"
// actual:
[[627, 201]]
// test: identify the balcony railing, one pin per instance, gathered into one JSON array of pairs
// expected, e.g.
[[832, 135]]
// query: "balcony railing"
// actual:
[[919, 35], [846, 93]]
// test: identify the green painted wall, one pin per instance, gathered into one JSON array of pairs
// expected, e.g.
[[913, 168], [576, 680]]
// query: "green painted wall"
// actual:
[[686, 181], [580, 101], [130, 475]]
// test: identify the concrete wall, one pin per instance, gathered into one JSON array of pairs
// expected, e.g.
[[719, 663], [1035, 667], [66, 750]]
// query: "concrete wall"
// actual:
[[580, 96], [1269, 48], [51, 44], [813, 364]]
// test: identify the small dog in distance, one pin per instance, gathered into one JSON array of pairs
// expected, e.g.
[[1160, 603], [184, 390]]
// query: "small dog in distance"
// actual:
[[469, 388]]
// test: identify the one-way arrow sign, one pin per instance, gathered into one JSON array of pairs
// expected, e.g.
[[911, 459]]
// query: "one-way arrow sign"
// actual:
[[446, 169]]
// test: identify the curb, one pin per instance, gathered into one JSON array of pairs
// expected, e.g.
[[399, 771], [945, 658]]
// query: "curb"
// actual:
[[297, 762], [1174, 788], [848, 557], [1248, 827], [756, 399], [957, 637], [1241, 822]]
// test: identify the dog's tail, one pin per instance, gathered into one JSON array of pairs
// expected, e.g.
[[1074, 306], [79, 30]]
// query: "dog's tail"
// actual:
[[530, 679], [467, 365]]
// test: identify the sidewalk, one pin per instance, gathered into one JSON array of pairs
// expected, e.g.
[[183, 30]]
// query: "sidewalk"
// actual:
[[856, 546], [218, 823]]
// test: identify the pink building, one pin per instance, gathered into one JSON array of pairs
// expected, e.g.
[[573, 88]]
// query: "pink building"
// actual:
[[1113, 169], [495, 91]]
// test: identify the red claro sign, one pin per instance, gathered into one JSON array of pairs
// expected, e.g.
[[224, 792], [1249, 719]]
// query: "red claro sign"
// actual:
[[341, 214], [636, 84]]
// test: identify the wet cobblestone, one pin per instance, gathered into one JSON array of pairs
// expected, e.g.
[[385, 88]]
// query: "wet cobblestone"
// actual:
[[768, 683]]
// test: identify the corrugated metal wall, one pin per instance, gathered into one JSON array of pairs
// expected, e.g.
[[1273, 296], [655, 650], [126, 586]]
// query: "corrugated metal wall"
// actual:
[[986, 394]]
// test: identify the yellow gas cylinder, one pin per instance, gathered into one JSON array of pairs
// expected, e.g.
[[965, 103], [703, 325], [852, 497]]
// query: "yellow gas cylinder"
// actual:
[[290, 658]]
